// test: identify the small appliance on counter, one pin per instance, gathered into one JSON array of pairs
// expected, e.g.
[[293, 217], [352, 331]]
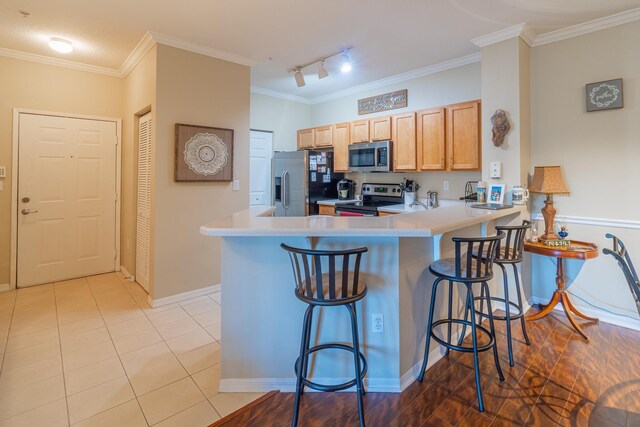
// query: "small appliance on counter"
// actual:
[[373, 196], [346, 189]]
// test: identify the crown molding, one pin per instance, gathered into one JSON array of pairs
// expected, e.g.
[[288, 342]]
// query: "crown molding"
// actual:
[[48, 60], [281, 95], [521, 30], [201, 49], [588, 27], [144, 45]]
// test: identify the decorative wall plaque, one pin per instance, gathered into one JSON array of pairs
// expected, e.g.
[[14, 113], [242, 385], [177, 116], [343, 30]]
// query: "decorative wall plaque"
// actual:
[[387, 101], [605, 95], [500, 128], [203, 153]]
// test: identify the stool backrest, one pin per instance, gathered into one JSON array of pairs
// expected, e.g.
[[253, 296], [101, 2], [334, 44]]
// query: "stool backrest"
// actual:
[[512, 247], [337, 283], [621, 254], [475, 256]]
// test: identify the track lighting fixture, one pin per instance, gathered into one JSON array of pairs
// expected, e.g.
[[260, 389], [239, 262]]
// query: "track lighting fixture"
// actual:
[[299, 78], [345, 66]]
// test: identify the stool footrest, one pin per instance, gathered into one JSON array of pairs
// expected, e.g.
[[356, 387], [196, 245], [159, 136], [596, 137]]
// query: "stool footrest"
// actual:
[[332, 387], [513, 316], [463, 349]]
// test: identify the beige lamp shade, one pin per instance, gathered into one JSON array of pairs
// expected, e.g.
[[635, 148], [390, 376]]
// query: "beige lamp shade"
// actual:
[[548, 180]]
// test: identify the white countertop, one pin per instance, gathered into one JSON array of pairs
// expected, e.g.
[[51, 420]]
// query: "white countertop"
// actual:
[[333, 202], [402, 208], [413, 224]]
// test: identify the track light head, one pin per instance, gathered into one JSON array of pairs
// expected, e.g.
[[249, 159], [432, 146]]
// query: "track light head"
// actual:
[[322, 72], [345, 66], [299, 78]]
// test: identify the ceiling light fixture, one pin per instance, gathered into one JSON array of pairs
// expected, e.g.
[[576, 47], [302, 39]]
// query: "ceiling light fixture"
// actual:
[[299, 78], [345, 66], [60, 45]]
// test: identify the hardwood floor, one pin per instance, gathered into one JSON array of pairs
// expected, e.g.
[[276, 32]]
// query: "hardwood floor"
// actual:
[[557, 380]]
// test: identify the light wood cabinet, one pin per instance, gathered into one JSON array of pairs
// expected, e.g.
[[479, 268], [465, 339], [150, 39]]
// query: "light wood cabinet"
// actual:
[[385, 213], [305, 139], [380, 128], [341, 138], [359, 131], [431, 139], [404, 142], [463, 136], [326, 210], [323, 136]]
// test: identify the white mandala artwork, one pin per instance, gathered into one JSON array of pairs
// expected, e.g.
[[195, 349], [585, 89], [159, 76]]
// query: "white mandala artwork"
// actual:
[[205, 154]]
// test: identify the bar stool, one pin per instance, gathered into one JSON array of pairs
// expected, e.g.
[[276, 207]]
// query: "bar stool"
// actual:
[[509, 252], [335, 287], [466, 269]]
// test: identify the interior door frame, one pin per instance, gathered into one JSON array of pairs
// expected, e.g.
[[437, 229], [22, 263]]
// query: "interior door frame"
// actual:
[[270, 183], [13, 272]]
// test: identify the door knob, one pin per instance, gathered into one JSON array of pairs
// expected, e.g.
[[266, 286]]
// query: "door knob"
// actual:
[[26, 211]]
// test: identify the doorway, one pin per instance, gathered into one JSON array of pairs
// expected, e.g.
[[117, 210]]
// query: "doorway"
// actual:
[[261, 153], [67, 206]]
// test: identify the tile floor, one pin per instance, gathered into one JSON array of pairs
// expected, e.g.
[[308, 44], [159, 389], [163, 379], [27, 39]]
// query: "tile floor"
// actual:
[[91, 352]]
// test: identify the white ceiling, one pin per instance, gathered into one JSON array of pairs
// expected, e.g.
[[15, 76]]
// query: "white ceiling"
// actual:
[[389, 37]]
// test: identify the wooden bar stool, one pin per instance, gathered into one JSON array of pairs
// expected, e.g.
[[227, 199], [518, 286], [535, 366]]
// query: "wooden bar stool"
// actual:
[[469, 270], [510, 251], [336, 286]]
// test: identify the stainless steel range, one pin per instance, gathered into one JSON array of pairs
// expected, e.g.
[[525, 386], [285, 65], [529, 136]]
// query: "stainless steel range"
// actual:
[[373, 196]]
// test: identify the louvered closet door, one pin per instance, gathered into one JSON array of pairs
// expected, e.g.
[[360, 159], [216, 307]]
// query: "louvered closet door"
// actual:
[[143, 221]]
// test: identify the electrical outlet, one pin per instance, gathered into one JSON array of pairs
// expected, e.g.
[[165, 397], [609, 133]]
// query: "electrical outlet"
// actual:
[[445, 185], [377, 323], [236, 184], [495, 170]]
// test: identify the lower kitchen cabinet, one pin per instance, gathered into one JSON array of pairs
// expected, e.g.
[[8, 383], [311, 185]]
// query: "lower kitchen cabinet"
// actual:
[[326, 210], [385, 213]]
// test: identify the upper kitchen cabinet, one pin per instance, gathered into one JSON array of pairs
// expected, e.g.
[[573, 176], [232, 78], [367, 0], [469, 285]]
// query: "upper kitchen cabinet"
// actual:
[[404, 142], [463, 136], [431, 139], [305, 139], [323, 136], [380, 128], [359, 131], [341, 138]]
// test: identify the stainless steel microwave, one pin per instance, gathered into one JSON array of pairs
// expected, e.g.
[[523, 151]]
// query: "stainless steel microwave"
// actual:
[[370, 157]]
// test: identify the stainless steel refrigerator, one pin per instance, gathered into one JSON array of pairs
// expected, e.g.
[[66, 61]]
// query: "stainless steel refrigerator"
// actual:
[[301, 179]]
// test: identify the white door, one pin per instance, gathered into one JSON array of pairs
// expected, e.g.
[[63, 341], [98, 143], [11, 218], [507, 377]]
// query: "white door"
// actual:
[[261, 152], [143, 205], [66, 198]]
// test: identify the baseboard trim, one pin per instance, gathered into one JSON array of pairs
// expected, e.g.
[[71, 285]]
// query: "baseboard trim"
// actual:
[[130, 277], [5, 287], [288, 385], [604, 316], [184, 296]]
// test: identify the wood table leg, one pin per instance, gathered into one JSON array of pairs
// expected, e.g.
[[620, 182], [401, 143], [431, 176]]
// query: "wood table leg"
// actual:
[[546, 309], [578, 312], [565, 306]]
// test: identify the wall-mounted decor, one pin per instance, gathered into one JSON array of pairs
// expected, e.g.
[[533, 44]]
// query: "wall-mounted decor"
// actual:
[[605, 95], [501, 127], [387, 101], [203, 153]]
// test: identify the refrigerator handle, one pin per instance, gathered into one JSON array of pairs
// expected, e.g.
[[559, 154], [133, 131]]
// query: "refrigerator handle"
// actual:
[[285, 190]]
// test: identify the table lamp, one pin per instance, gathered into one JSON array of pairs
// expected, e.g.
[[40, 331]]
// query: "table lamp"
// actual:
[[548, 180]]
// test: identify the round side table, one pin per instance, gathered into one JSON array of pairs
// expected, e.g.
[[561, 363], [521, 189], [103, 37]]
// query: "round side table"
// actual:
[[577, 250]]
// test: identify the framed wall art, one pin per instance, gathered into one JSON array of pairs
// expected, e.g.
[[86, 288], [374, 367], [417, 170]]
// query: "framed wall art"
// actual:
[[203, 154], [605, 95]]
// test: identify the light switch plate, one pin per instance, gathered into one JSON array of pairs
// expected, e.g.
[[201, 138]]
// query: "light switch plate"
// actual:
[[3, 171], [495, 170], [236, 184]]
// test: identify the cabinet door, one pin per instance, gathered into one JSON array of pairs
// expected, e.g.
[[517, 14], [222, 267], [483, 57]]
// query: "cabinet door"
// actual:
[[326, 210], [404, 142], [341, 135], [431, 139], [463, 136], [380, 128], [323, 136], [360, 131], [305, 139]]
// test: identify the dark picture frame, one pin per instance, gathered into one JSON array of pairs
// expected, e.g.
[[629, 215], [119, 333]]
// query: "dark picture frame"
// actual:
[[203, 154], [604, 95]]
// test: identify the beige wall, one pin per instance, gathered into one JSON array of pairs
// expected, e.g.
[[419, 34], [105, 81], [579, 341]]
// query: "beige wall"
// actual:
[[139, 98], [599, 154], [199, 90], [31, 85], [282, 117]]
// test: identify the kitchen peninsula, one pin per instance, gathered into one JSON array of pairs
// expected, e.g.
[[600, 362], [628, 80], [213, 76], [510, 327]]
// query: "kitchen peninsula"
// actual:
[[262, 319]]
